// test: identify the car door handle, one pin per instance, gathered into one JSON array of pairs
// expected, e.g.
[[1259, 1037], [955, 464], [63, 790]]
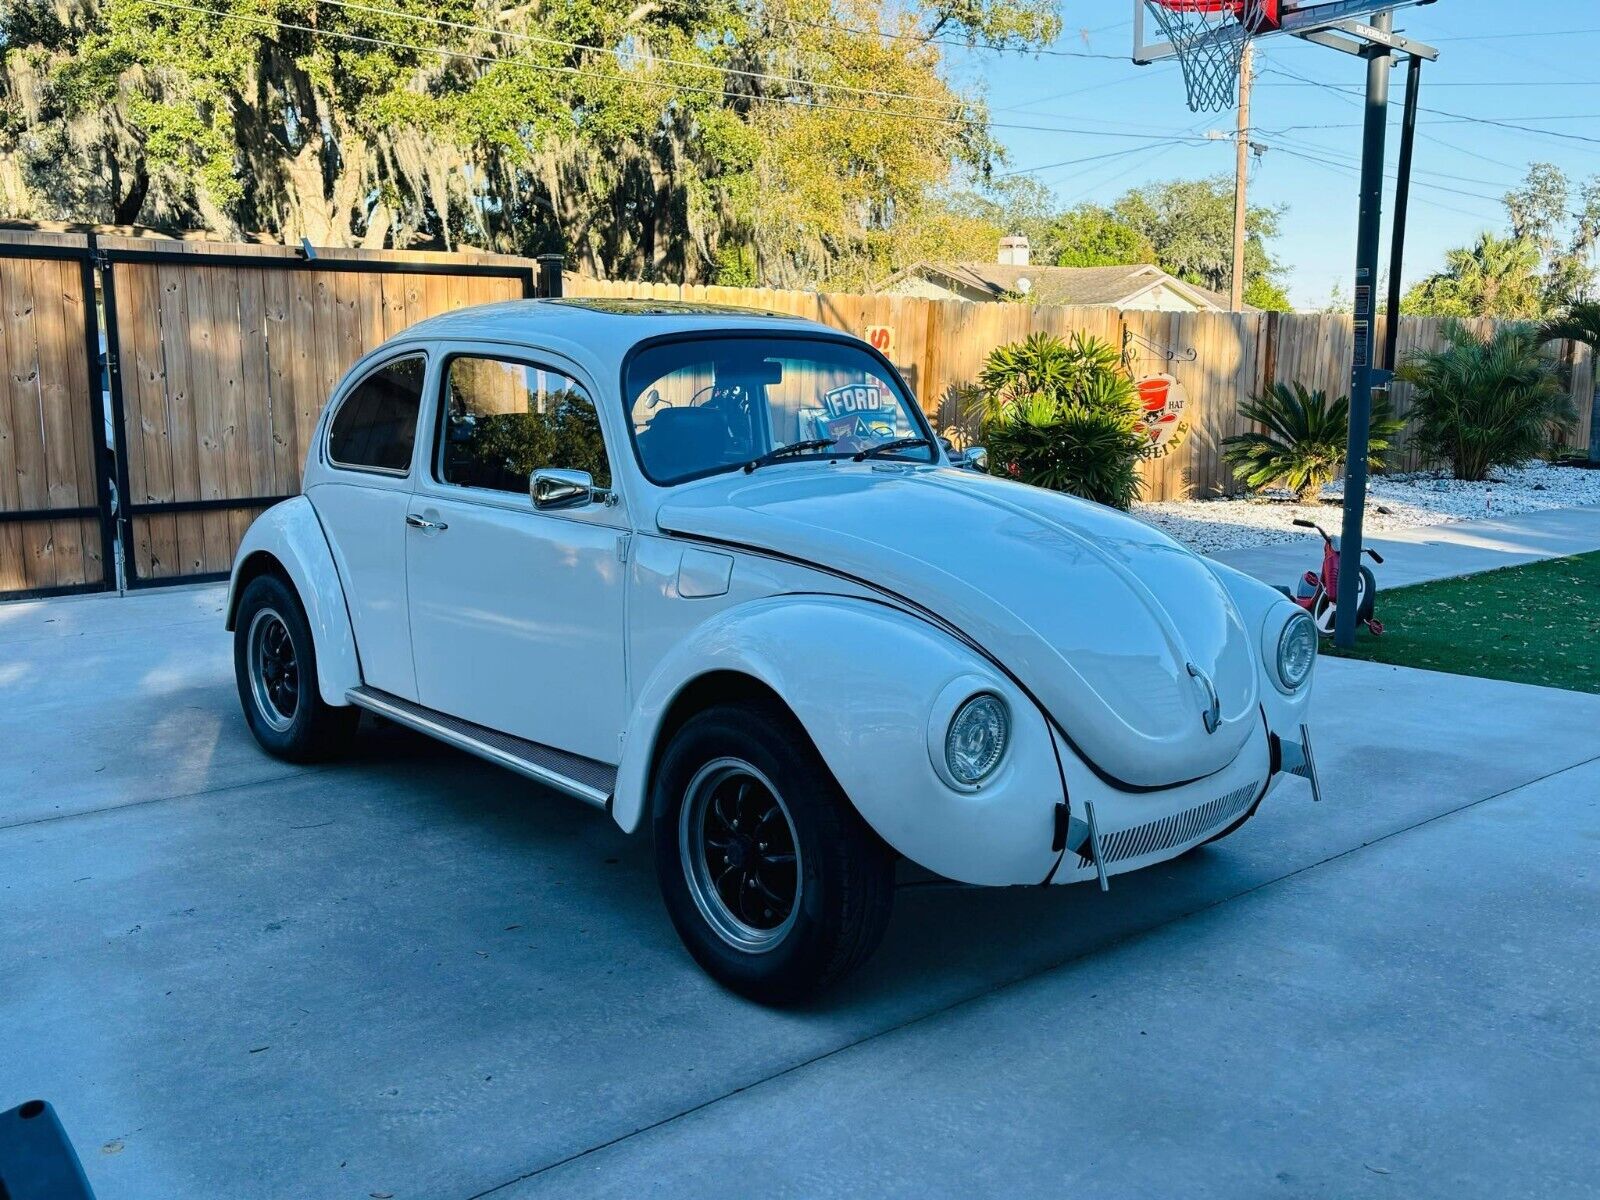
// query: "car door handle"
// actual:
[[417, 522]]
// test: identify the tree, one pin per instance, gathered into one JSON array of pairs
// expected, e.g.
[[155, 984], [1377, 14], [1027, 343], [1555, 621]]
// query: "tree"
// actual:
[[1189, 223], [1541, 213], [1090, 236], [1541, 264], [1497, 277], [638, 138]]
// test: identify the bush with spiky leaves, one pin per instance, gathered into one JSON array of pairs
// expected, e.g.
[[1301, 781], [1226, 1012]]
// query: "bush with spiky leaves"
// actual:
[[1485, 402], [1060, 414], [1302, 440]]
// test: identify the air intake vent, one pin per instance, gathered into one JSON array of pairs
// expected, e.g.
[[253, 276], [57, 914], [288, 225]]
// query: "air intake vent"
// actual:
[[1175, 830]]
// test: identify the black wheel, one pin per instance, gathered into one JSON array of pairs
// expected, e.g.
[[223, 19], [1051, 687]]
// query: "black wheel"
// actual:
[[776, 885], [1369, 595], [275, 664]]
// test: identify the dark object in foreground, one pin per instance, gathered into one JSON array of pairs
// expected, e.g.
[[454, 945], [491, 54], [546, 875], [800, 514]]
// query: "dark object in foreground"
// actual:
[[37, 1161]]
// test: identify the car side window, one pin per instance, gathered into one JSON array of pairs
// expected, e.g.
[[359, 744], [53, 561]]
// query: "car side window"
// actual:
[[502, 420], [376, 424]]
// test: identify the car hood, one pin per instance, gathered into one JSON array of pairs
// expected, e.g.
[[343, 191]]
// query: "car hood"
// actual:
[[1105, 620]]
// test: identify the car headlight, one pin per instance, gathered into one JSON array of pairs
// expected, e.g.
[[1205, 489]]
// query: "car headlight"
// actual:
[[976, 741], [1297, 651]]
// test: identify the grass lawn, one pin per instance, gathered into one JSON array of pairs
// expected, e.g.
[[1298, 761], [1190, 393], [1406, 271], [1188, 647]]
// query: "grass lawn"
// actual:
[[1534, 624]]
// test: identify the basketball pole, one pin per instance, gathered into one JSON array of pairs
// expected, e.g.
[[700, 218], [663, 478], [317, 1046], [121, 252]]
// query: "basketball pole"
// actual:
[[1402, 208], [1368, 235]]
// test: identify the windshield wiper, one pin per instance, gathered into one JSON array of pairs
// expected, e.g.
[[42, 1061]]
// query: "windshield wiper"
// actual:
[[772, 456], [909, 443]]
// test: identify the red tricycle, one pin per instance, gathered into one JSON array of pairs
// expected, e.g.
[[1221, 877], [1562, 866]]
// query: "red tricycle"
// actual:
[[1318, 593]]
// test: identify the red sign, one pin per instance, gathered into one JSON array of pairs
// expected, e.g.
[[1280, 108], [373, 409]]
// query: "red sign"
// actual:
[[1163, 400], [881, 338]]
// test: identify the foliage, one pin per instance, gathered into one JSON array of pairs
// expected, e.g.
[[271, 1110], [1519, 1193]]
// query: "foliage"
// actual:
[[1089, 236], [1543, 260], [567, 435], [1579, 322], [1266, 294], [1485, 402], [1061, 415], [1190, 224], [1537, 624], [1303, 442], [639, 138], [1496, 277]]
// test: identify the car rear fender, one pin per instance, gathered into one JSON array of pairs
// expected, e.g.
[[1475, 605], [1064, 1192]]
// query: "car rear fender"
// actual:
[[289, 538], [874, 688]]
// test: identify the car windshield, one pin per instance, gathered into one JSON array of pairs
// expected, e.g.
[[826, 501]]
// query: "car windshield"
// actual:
[[712, 404]]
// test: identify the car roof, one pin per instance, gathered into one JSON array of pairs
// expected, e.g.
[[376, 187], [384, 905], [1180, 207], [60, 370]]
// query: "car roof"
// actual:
[[608, 321]]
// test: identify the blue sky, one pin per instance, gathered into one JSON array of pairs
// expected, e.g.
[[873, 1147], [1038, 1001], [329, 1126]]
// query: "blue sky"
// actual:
[[1545, 76]]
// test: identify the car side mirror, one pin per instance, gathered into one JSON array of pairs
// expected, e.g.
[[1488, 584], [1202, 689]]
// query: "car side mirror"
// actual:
[[558, 487], [973, 458]]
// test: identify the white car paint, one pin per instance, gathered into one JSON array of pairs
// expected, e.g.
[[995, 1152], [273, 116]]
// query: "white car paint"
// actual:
[[859, 593]]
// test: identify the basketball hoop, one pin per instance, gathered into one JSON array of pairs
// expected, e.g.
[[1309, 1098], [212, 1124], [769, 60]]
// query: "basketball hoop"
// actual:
[[1208, 38]]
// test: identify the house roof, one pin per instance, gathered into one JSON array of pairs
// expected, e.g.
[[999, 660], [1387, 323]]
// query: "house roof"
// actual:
[[1058, 285]]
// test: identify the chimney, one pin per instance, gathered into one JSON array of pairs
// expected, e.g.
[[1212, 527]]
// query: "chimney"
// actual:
[[1013, 251]]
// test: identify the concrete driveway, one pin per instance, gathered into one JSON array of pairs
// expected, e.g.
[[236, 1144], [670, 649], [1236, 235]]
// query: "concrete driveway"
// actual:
[[410, 974]]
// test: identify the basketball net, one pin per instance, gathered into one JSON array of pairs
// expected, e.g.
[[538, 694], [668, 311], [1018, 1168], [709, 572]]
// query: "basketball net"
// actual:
[[1208, 38]]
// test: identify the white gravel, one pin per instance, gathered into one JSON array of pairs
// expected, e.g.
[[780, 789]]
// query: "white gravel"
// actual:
[[1393, 502]]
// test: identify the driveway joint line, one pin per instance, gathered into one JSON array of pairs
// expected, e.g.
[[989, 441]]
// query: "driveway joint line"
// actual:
[[211, 791], [1007, 984]]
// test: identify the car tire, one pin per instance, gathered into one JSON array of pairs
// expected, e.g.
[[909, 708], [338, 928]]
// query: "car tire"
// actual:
[[275, 666], [775, 932]]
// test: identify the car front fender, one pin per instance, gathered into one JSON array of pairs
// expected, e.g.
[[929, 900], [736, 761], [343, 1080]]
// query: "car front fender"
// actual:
[[874, 688], [291, 536]]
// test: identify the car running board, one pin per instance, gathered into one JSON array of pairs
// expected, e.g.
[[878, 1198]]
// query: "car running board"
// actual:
[[570, 773]]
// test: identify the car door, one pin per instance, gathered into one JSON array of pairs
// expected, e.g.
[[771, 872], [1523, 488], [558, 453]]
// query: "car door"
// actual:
[[361, 497], [516, 612]]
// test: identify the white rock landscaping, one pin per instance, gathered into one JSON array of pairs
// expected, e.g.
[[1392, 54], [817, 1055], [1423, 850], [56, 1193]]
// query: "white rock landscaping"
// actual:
[[1393, 502]]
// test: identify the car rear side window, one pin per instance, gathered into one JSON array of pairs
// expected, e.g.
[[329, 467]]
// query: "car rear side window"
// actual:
[[502, 420], [376, 425]]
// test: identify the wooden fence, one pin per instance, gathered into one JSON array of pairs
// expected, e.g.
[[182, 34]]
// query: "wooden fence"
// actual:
[[1220, 358], [225, 366], [47, 437]]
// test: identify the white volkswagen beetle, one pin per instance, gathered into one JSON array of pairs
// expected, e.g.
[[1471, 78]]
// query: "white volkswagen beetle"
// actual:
[[711, 570]]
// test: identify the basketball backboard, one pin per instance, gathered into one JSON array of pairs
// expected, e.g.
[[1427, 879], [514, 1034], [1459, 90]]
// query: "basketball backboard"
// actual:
[[1339, 24]]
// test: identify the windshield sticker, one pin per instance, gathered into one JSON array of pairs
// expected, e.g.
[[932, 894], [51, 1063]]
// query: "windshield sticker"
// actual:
[[853, 398]]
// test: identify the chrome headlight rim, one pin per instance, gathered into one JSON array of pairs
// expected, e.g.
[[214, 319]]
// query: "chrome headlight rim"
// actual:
[[952, 700], [1301, 626]]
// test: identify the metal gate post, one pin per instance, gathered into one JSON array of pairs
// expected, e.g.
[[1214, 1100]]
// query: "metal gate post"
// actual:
[[110, 567], [119, 426]]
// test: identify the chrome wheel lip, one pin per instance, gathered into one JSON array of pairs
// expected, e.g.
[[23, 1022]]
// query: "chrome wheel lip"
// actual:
[[692, 857], [258, 656]]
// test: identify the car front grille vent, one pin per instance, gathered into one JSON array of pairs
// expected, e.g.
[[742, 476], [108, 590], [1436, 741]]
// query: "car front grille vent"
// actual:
[[1175, 830]]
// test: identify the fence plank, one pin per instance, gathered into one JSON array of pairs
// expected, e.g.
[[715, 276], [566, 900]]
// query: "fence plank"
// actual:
[[36, 558]]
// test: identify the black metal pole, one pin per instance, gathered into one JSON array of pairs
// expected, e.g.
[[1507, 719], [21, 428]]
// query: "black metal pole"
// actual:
[[1402, 203], [1367, 237], [550, 268]]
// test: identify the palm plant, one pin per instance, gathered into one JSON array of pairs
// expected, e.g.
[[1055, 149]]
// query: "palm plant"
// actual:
[[1581, 323], [1485, 402], [1061, 415], [1303, 438]]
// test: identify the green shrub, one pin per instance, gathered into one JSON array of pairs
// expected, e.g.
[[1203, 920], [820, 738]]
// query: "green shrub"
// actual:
[[1304, 440], [1485, 402], [1061, 415]]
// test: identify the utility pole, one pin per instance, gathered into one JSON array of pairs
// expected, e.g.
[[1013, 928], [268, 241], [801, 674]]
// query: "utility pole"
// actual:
[[1241, 167]]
